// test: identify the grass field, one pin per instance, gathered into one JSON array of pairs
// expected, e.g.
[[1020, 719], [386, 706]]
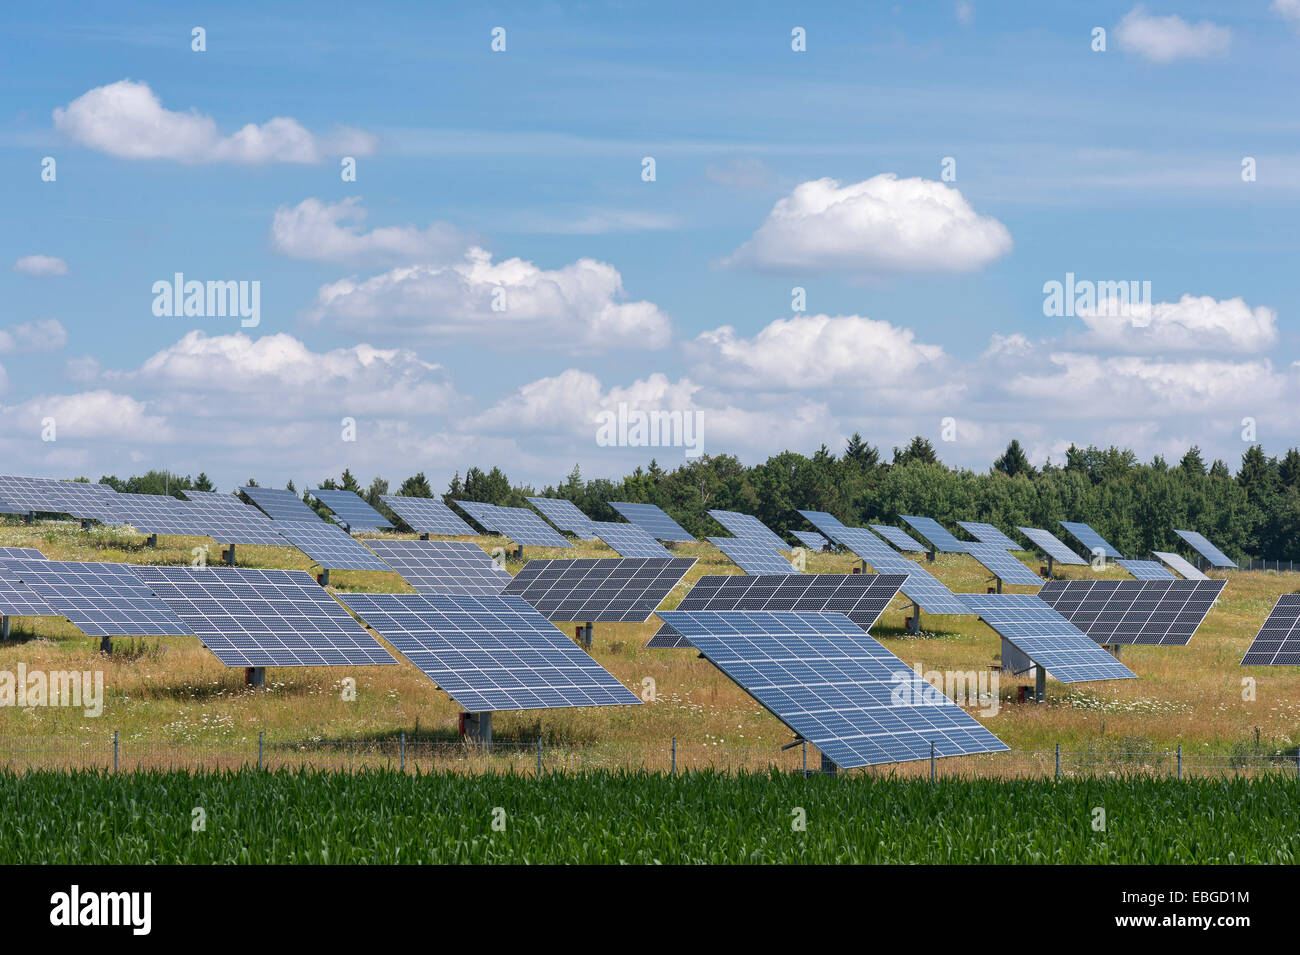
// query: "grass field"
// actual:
[[172, 690], [283, 817]]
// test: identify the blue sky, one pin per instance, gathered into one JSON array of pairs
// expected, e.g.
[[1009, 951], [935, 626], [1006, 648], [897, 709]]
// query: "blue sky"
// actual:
[[924, 295]]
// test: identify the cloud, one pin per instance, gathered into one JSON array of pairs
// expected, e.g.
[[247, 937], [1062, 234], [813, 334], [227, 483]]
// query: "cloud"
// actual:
[[1165, 39], [126, 119], [579, 306], [41, 265], [42, 335], [816, 351], [1287, 9], [99, 415], [879, 226], [331, 232], [1193, 323], [965, 12]]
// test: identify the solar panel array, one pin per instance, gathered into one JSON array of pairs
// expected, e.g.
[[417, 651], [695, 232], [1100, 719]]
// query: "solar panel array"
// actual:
[[443, 567], [654, 519], [19, 600], [517, 523], [750, 528], [988, 534], [1047, 638], [45, 495], [1146, 569], [280, 504], [935, 533], [329, 545], [752, 557], [922, 586], [1003, 566], [1180, 564], [1052, 546], [225, 518], [598, 589], [834, 685], [1202, 546], [812, 540], [899, 538], [1165, 612], [490, 653], [825, 522], [7, 508], [158, 514], [1090, 539], [261, 618], [102, 600], [424, 515], [351, 509], [565, 515], [629, 540], [1278, 640], [860, 597], [21, 553]]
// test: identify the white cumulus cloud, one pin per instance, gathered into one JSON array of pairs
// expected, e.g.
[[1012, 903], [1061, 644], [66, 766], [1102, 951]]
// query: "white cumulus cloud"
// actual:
[[1169, 38], [43, 334], [881, 225], [41, 266], [127, 119], [1193, 323], [332, 232]]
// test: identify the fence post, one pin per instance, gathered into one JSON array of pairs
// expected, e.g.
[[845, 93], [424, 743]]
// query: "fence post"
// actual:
[[674, 757], [402, 756], [539, 755], [931, 760], [1058, 760], [805, 757], [1180, 760], [114, 750], [259, 749]]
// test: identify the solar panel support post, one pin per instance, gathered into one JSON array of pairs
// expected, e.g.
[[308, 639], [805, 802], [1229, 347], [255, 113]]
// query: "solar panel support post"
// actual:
[[914, 621], [1049, 566], [1040, 684], [151, 540], [673, 758], [585, 635], [828, 767], [106, 646], [1058, 760], [323, 578], [929, 556], [477, 729], [4, 628], [1114, 649], [229, 555], [424, 537], [114, 750], [29, 517], [401, 753], [255, 676], [1180, 760]]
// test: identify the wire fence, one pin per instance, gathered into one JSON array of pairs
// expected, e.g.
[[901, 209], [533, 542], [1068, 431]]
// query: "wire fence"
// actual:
[[1281, 566], [116, 754]]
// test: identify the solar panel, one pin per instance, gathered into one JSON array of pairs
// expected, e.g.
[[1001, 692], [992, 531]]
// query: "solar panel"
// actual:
[[812, 540], [1181, 565], [262, 618], [517, 523], [1146, 569], [7, 508], [1165, 612], [899, 538], [860, 597], [1003, 566], [424, 515], [21, 553], [1052, 546], [752, 557], [1202, 546], [565, 515], [158, 514], [1278, 640], [922, 586], [46, 495], [654, 519], [443, 567], [226, 518], [824, 522], [750, 528], [351, 509], [490, 653], [1047, 638], [1091, 539], [216, 500], [935, 533], [596, 589], [629, 540], [102, 600], [280, 504], [19, 600], [329, 545], [834, 685], [988, 534]]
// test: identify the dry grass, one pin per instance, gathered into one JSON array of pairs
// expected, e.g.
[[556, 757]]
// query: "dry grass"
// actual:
[[172, 690]]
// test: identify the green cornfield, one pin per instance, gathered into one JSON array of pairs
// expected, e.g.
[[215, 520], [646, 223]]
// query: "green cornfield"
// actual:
[[634, 817]]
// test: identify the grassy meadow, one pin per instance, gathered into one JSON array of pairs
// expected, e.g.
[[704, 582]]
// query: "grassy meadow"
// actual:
[[171, 690]]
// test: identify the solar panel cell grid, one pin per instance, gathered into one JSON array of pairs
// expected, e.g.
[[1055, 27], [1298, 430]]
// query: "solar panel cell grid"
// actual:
[[1090, 539], [490, 652], [1164, 612], [565, 515], [101, 599], [1202, 546], [834, 685], [922, 586], [935, 533], [329, 546], [280, 504], [748, 527], [629, 540], [425, 515], [654, 519], [443, 567], [986, 533], [900, 538], [600, 589], [351, 509], [1179, 564], [1278, 640], [812, 540], [1052, 546], [519, 524], [753, 557], [1003, 566], [1145, 569]]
